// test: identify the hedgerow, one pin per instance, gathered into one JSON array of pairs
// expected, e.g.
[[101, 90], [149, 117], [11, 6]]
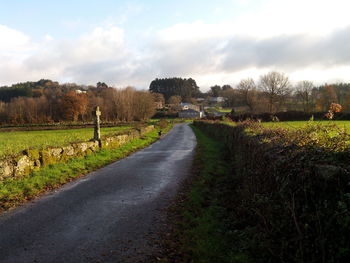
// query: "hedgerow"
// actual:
[[291, 200]]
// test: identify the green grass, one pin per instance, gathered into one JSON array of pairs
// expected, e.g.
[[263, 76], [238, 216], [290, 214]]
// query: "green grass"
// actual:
[[224, 110], [14, 191], [204, 234], [13, 142], [302, 124]]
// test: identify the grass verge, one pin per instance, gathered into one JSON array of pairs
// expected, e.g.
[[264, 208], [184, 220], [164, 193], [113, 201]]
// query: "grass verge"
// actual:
[[15, 191], [199, 218]]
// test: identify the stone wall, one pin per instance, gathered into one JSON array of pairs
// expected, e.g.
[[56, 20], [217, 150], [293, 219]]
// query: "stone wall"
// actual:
[[28, 160]]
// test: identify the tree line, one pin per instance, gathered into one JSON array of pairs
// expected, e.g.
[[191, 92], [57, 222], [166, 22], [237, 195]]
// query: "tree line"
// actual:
[[272, 92], [48, 101], [185, 88]]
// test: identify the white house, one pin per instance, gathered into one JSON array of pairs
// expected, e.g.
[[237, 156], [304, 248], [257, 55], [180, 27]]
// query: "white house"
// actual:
[[190, 114], [187, 106]]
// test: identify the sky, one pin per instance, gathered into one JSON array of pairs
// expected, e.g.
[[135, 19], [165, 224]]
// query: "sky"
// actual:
[[130, 43]]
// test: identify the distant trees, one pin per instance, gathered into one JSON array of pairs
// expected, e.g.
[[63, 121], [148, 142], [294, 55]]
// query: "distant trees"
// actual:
[[276, 87], [274, 92], [304, 94], [215, 91], [20, 90], [218, 91], [346, 102], [25, 110], [144, 106], [185, 88], [271, 93], [174, 100], [226, 87], [248, 94], [127, 104], [70, 102], [326, 96], [48, 101], [73, 105], [159, 99]]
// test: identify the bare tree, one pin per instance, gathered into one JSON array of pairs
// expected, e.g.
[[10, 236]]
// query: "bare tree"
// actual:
[[144, 106], [126, 105], [276, 86], [304, 93], [230, 96], [159, 100], [174, 100], [247, 92], [326, 96]]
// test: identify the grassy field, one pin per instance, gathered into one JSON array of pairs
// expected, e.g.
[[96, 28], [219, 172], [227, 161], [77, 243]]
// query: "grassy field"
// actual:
[[302, 124], [16, 141], [225, 110], [14, 191]]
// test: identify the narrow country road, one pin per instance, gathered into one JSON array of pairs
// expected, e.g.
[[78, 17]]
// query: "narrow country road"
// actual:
[[110, 215]]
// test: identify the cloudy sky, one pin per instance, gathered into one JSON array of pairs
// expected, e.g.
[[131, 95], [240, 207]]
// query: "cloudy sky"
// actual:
[[124, 42]]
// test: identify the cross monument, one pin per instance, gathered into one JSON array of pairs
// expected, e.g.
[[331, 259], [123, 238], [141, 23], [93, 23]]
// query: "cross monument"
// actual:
[[97, 130]]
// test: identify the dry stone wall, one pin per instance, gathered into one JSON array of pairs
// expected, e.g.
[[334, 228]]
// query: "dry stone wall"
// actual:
[[31, 159]]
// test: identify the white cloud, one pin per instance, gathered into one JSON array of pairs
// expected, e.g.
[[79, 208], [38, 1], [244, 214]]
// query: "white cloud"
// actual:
[[276, 17], [12, 40], [100, 44], [306, 39], [85, 59], [48, 38]]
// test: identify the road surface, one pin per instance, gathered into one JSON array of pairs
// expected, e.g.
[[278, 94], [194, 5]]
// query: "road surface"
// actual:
[[110, 215]]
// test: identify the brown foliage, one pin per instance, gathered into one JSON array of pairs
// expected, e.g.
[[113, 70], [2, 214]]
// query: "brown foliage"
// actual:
[[73, 105], [55, 105]]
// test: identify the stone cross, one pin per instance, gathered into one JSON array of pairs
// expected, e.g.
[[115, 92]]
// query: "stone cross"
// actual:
[[97, 130]]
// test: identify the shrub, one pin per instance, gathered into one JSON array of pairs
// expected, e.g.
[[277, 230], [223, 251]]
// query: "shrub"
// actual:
[[292, 193], [163, 123], [282, 116]]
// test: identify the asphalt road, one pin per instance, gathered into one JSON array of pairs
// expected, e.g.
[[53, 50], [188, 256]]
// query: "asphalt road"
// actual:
[[110, 215]]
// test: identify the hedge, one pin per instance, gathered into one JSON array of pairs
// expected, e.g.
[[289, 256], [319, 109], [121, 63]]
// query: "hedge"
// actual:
[[291, 200]]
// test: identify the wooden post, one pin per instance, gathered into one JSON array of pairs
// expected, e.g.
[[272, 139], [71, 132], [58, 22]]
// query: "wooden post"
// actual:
[[97, 130]]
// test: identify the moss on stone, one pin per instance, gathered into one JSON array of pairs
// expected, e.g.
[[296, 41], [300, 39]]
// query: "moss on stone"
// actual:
[[33, 154], [47, 158]]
